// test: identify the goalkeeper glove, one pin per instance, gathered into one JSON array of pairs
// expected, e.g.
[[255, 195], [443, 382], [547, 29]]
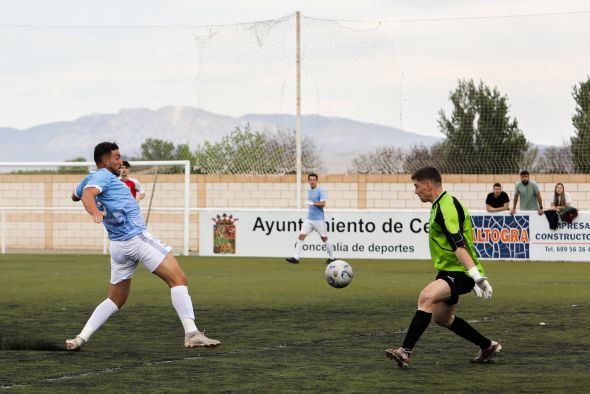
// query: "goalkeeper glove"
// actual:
[[482, 287], [309, 203]]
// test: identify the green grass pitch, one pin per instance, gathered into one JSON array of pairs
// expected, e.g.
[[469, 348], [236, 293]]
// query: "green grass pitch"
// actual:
[[283, 329]]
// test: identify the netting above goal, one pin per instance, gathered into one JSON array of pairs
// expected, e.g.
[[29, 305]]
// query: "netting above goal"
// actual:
[[470, 95]]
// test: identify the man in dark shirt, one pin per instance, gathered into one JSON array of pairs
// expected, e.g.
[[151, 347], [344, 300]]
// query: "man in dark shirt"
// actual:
[[497, 201]]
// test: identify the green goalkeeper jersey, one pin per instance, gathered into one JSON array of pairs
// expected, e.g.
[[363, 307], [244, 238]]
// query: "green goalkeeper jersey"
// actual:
[[450, 228]]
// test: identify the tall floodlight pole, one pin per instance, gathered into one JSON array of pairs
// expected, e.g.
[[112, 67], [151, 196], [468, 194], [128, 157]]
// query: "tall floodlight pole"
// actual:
[[298, 116]]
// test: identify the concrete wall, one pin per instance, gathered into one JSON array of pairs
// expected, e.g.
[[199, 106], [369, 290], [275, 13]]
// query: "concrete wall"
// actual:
[[60, 229]]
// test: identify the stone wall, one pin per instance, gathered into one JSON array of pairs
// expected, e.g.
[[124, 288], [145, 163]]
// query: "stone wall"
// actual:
[[66, 227]]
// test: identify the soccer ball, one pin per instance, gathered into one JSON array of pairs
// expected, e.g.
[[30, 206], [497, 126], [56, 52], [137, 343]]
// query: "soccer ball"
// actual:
[[339, 274]]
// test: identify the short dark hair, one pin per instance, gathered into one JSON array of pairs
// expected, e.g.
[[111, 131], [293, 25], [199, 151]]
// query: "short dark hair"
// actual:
[[427, 174], [126, 164], [497, 184], [524, 172], [104, 148], [312, 174]]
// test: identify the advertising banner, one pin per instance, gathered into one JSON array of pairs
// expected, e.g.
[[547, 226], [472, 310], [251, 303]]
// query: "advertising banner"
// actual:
[[570, 242], [528, 237], [354, 234], [388, 235], [501, 236]]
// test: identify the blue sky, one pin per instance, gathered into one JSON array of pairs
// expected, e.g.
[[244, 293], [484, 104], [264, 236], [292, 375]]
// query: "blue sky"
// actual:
[[41, 82]]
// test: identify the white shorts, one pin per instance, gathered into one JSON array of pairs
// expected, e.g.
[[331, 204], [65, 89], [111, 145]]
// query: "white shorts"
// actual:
[[144, 248], [318, 226]]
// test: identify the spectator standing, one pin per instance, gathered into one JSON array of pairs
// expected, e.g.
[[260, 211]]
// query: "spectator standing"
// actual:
[[528, 192]]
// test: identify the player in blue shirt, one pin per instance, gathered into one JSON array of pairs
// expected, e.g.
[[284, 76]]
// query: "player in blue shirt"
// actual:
[[315, 221], [109, 201]]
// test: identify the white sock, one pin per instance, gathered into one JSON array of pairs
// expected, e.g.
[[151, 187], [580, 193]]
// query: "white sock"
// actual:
[[100, 315], [298, 249], [330, 248], [183, 305]]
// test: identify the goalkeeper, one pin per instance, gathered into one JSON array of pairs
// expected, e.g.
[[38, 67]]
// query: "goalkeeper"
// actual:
[[459, 271]]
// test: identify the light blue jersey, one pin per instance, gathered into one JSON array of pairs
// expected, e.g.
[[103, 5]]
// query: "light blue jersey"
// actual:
[[316, 195], [123, 219]]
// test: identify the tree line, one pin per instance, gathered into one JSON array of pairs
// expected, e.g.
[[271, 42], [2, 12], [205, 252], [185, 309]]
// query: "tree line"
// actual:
[[481, 138]]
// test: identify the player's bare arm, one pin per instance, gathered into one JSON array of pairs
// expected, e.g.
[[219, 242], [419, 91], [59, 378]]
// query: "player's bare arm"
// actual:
[[489, 208], [89, 202], [505, 207], [540, 202], [514, 204]]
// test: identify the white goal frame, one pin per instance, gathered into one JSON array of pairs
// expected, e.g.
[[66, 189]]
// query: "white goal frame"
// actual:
[[91, 165]]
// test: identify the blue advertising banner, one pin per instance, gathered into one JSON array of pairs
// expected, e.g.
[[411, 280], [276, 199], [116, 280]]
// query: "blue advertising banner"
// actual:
[[501, 237]]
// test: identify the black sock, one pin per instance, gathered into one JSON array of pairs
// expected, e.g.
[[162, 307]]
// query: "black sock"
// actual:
[[417, 327], [464, 330]]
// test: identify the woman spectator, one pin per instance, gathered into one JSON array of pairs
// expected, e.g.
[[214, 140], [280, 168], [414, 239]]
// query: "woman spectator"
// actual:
[[560, 198]]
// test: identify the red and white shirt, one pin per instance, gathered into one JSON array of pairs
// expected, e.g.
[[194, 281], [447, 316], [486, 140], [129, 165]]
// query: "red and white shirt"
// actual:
[[134, 186]]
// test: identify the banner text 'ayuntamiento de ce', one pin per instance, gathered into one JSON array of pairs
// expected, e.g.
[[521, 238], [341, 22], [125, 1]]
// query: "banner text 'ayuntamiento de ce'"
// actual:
[[389, 235]]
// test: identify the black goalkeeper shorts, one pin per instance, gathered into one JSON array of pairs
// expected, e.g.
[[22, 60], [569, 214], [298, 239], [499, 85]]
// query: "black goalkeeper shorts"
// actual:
[[460, 283]]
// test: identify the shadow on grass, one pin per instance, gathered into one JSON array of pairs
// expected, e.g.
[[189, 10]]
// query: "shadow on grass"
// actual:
[[30, 344]]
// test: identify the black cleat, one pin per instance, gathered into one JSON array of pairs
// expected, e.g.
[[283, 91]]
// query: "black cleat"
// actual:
[[292, 260], [330, 261]]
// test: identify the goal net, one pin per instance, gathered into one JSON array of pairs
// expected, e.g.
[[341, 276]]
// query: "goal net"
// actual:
[[37, 213], [469, 95]]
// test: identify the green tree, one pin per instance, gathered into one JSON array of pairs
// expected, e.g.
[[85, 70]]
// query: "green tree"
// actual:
[[74, 170], [249, 152], [481, 138], [183, 152], [580, 142], [237, 153], [156, 149]]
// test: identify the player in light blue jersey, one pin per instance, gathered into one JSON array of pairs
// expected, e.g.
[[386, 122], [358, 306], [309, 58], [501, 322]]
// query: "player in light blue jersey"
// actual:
[[315, 221], [122, 219], [109, 201]]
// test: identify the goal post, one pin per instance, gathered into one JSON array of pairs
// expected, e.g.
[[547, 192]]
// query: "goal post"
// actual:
[[29, 190]]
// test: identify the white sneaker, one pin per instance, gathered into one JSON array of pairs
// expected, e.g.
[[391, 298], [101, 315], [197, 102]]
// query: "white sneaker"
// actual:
[[401, 356], [198, 339], [76, 343], [484, 355]]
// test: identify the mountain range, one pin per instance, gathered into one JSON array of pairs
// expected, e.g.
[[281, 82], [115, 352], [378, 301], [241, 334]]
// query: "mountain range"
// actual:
[[339, 140]]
